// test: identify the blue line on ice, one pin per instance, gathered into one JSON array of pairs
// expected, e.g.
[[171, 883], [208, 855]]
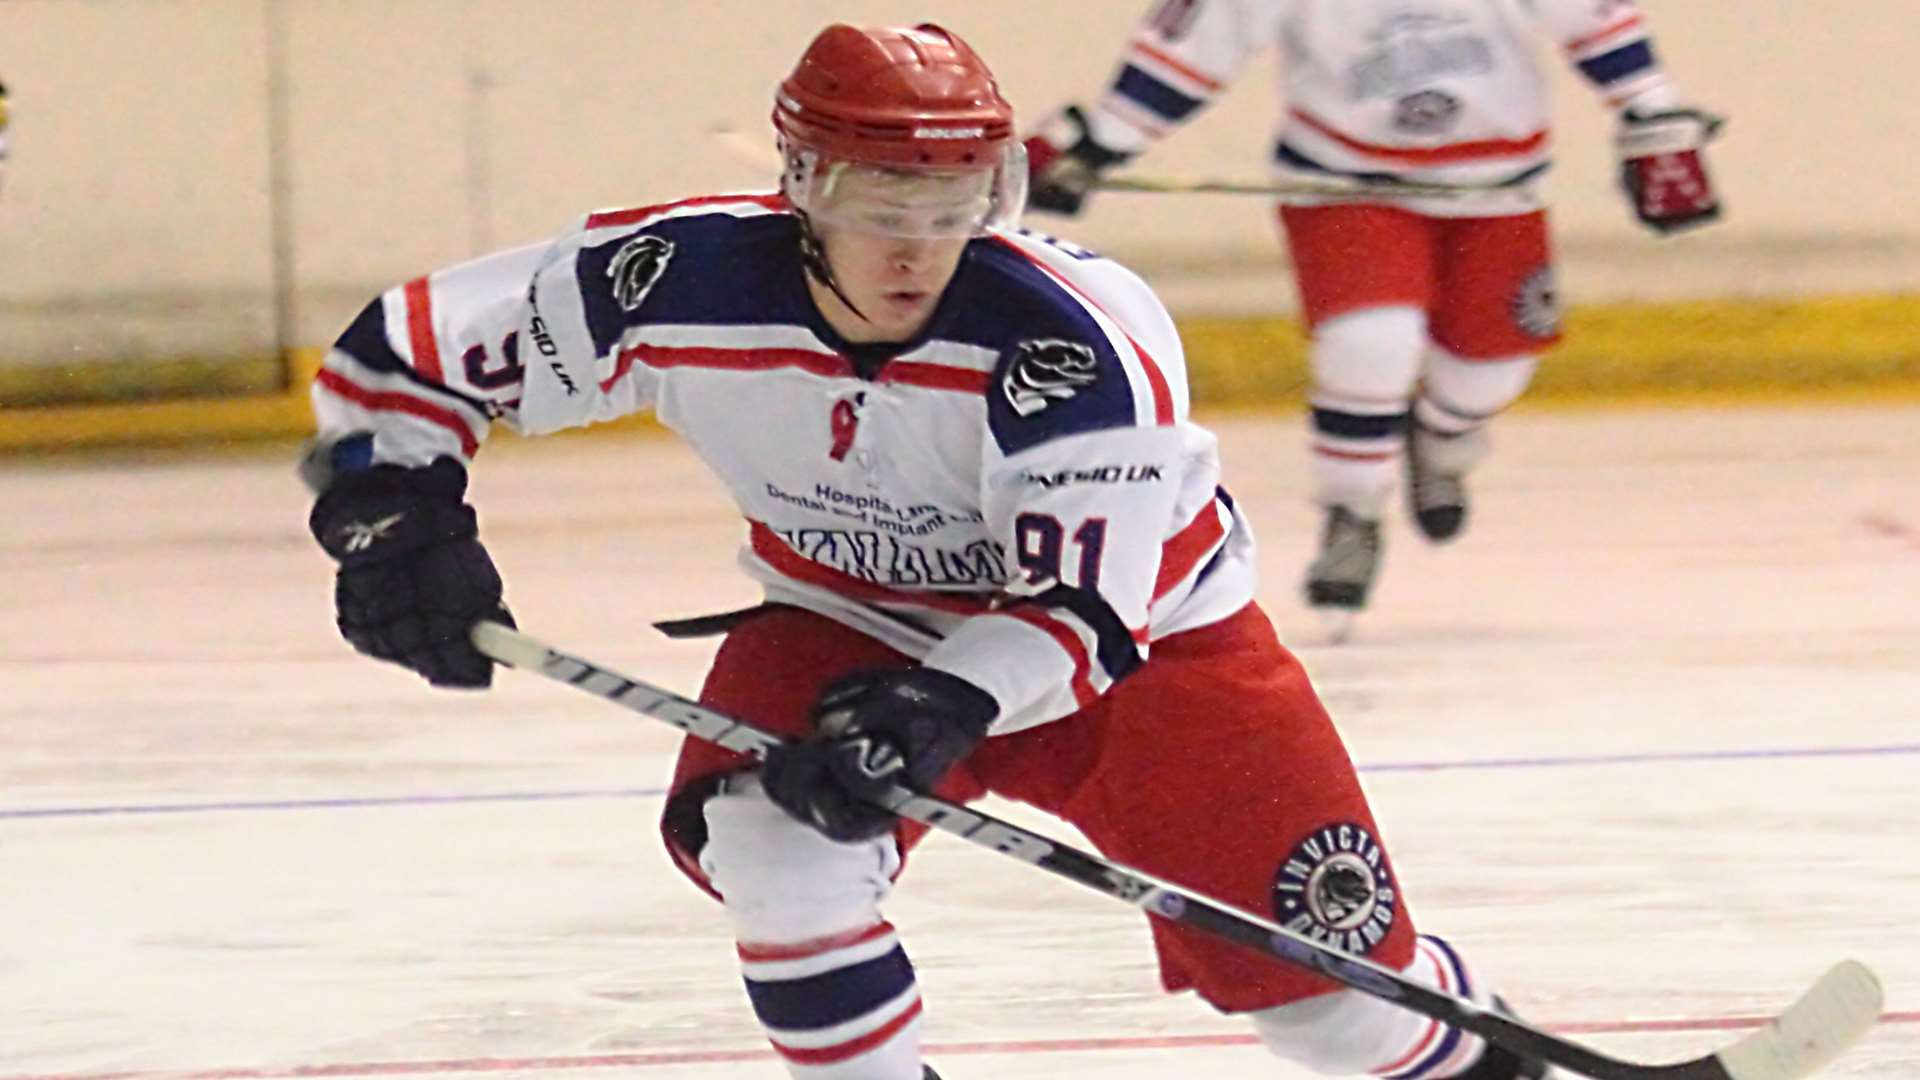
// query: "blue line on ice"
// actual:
[[1566, 761]]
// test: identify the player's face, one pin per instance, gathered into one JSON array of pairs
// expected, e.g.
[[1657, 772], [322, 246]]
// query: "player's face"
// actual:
[[893, 238], [895, 281]]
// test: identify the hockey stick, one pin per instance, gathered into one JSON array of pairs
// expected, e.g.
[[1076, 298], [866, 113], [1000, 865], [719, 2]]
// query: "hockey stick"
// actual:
[[1812, 1032], [1361, 189], [757, 152]]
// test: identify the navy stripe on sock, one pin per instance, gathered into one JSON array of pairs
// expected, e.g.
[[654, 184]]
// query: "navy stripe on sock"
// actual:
[[1355, 426], [832, 997], [1459, 969], [1446, 1048]]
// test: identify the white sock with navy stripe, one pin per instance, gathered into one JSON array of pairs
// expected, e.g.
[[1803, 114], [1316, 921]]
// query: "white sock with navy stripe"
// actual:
[[825, 972], [841, 1008], [1458, 398], [1347, 1033], [1438, 1051], [1365, 365]]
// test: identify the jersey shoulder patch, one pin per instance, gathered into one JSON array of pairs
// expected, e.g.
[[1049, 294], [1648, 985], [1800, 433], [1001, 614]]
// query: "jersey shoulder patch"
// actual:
[[711, 268], [1060, 384], [636, 266], [1059, 371], [1042, 371]]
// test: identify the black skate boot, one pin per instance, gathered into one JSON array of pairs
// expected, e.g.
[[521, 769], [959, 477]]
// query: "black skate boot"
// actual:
[[1436, 471], [1339, 577], [929, 1074], [1500, 1064]]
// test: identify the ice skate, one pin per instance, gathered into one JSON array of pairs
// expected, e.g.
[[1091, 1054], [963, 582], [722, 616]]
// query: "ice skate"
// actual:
[[1436, 488], [1340, 577]]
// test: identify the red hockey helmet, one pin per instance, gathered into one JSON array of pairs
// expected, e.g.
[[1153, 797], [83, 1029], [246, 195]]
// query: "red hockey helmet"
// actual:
[[899, 103]]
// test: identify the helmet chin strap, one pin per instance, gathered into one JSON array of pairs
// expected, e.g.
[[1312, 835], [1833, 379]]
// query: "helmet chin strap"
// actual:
[[814, 257]]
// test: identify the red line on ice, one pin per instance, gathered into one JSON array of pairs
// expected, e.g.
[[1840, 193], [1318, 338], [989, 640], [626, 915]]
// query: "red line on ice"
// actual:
[[720, 1057]]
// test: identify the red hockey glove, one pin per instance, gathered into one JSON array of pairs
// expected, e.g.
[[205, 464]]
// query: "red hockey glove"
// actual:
[[1661, 169]]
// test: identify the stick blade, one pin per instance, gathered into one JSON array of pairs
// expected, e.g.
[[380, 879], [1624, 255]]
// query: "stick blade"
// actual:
[[1814, 1030]]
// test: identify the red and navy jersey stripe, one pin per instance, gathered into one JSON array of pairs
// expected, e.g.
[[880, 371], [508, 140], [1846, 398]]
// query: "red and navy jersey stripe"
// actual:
[[1618, 58], [379, 379], [1155, 96]]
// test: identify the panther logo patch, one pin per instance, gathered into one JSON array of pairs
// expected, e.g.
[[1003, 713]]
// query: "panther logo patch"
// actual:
[[1047, 370], [1335, 887], [636, 267]]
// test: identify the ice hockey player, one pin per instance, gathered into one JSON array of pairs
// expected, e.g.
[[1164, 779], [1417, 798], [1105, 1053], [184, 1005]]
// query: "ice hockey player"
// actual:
[[4, 118], [1427, 315], [996, 557]]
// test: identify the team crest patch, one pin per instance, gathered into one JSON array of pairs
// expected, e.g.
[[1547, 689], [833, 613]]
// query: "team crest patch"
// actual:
[[636, 267], [1536, 304], [1335, 887], [1047, 370], [1428, 112]]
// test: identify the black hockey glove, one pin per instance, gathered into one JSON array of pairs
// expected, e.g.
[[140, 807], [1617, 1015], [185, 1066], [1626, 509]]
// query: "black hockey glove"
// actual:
[[1064, 162], [413, 577], [874, 730]]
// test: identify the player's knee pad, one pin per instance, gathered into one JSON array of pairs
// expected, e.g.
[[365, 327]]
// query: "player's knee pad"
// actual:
[[783, 882], [1367, 361], [1365, 364], [1459, 395]]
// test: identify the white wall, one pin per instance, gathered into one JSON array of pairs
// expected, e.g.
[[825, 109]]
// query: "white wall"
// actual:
[[137, 217]]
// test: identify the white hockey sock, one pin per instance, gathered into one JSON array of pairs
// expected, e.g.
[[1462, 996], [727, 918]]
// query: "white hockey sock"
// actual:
[[842, 1008], [826, 974], [1347, 1033], [1458, 398], [1364, 367]]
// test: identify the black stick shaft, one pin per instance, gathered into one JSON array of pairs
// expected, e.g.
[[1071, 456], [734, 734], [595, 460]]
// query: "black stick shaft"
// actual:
[[1157, 897]]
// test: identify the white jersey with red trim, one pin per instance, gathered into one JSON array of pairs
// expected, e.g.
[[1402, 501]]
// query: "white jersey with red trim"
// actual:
[[1437, 91], [1016, 496]]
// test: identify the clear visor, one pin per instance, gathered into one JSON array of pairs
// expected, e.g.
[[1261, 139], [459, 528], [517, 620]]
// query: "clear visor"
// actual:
[[920, 203]]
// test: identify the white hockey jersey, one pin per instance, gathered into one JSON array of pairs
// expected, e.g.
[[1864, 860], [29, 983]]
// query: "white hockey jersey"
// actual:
[[1016, 496], [1435, 91]]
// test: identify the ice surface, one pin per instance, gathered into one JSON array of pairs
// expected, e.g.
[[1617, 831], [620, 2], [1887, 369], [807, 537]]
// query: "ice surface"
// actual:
[[1644, 742]]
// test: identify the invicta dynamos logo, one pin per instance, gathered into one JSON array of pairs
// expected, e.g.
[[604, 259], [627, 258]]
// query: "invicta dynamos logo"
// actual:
[[1048, 370], [1335, 887], [636, 267]]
